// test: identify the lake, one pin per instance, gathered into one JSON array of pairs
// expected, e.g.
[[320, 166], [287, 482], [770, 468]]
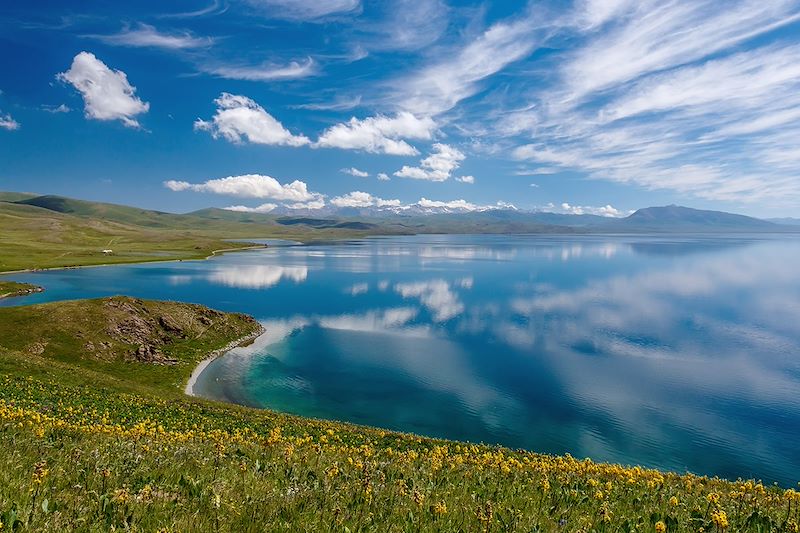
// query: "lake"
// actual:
[[681, 353]]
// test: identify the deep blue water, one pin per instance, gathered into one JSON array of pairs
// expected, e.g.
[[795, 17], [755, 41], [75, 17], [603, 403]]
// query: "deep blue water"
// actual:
[[680, 353]]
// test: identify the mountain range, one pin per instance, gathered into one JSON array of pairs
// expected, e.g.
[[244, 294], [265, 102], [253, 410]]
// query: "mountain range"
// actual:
[[417, 218]]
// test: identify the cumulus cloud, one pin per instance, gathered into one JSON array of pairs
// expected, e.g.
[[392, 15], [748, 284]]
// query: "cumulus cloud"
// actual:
[[355, 172], [569, 209], [437, 166], [8, 123], [146, 36], [263, 208], [107, 95], [383, 176], [303, 10], [264, 71], [363, 199], [466, 179], [239, 118], [250, 186], [379, 134]]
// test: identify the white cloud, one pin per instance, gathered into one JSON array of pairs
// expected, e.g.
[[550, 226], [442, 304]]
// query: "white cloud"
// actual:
[[663, 96], [316, 203], [239, 117], [379, 134], [250, 186], [263, 208], [8, 123], [383, 176], [437, 166], [569, 209], [216, 6], [338, 104], [653, 36], [466, 179], [264, 71], [408, 25], [305, 10], [146, 36], [441, 85], [56, 109], [363, 199], [353, 171], [107, 95]]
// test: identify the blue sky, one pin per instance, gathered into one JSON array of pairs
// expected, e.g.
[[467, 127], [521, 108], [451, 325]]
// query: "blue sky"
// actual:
[[596, 106]]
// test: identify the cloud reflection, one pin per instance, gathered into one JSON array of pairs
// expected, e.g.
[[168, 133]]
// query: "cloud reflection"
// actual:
[[257, 276]]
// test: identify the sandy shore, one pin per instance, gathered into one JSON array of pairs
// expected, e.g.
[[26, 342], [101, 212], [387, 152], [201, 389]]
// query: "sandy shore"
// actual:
[[189, 389]]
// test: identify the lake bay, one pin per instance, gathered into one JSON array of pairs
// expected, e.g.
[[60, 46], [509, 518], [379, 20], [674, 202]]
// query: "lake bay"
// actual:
[[680, 353]]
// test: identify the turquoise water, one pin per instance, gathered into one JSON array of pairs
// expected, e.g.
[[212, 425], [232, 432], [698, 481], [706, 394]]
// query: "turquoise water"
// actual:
[[680, 353]]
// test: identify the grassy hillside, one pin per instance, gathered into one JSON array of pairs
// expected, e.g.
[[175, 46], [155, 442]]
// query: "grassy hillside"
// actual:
[[94, 438], [10, 289], [48, 232]]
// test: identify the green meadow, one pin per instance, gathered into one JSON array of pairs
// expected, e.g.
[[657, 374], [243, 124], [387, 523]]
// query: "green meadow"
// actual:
[[97, 435]]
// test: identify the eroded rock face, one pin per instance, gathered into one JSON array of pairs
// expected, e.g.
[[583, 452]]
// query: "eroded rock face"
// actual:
[[132, 323]]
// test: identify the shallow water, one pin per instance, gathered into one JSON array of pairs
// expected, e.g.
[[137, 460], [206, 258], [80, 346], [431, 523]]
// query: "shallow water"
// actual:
[[680, 353]]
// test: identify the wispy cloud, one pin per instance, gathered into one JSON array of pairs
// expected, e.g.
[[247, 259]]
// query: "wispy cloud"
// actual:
[[662, 96], [146, 36], [262, 72], [338, 104], [55, 109], [216, 7], [439, 86], [407, 25], [303, 10], [8, 123]]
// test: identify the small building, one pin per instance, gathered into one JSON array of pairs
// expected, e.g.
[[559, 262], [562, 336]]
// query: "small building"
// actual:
[[108, 252]]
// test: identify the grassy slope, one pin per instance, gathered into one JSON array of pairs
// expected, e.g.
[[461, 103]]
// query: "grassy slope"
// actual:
[[91, 440], [75, 233], [10, 289]]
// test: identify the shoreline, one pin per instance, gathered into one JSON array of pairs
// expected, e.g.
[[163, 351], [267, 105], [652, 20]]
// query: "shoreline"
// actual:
[[219, 352], [137, 262]]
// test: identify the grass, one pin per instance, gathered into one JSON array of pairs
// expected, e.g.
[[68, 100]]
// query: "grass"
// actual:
[[58, 233], [9, 289], [95, 440]]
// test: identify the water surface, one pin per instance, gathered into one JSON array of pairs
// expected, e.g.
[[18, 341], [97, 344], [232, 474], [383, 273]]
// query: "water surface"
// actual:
[[681, 353]]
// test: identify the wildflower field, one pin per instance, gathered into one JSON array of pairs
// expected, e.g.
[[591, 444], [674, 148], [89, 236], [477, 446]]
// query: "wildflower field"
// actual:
[[82, 448]]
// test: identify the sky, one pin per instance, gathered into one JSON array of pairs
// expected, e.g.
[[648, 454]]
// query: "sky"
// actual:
[[584, 106]]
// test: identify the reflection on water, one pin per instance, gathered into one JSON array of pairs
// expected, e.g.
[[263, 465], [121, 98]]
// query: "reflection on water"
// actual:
[[678, 353]]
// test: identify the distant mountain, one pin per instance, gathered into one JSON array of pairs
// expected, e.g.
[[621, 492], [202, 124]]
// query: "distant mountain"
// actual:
[[674, 218], [427, 217], [786, 221]]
